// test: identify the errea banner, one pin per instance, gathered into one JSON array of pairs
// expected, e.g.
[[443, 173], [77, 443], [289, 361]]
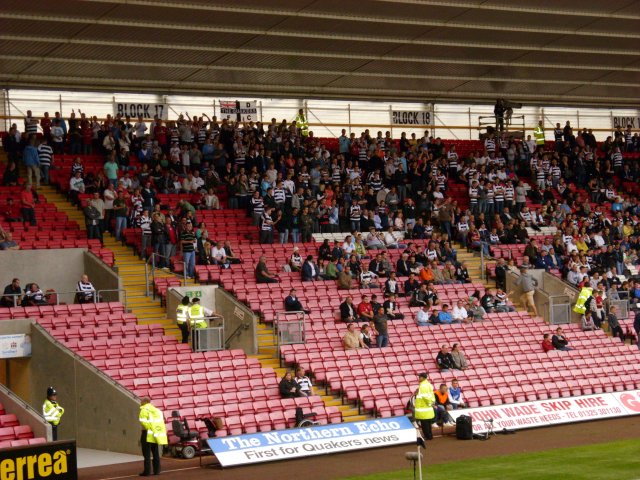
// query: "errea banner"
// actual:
[[46, 461], [318, 440], [545, 413]]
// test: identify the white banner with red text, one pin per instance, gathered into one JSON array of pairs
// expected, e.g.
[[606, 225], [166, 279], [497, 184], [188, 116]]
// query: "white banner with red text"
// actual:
[[317, 440], [544, 413]]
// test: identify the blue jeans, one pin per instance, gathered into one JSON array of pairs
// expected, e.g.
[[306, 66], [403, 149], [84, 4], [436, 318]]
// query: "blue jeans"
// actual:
[[284, 236], [121, 223], [382, 341], [355, 225], [295, 235], [44, 170], [189, 263]]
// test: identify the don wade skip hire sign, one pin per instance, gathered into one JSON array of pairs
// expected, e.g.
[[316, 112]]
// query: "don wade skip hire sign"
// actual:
[[319, 440]]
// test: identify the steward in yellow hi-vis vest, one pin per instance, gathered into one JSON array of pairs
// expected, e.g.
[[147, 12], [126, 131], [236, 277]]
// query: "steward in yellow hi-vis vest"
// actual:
[[153, 434], [182, 316], [423, 407], [538, 133], [581, 304]]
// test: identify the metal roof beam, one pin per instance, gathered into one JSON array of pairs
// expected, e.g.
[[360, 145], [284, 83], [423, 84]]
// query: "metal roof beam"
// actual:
[[335, 73]]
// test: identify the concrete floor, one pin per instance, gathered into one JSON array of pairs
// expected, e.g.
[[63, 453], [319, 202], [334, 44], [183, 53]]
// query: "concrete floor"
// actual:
[[96, 458]]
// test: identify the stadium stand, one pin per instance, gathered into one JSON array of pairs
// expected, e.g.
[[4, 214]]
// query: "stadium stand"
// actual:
[[12, 434]]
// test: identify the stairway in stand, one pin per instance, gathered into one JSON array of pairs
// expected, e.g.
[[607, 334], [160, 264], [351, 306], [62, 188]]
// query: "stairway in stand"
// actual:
[[130, 269], [268, 357]]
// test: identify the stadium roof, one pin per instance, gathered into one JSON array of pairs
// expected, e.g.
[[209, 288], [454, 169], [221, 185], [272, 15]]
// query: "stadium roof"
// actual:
[[535, 51]]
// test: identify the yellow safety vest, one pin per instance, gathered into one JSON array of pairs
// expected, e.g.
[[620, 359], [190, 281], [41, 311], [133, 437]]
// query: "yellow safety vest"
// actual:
[[196, 316], [538, 132], [182, 313], [52, 412], [425, 399], [152, 421], [585, 293], [301, 123]]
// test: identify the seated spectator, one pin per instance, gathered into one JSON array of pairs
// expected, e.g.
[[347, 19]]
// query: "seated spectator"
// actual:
[[373, 240], [547, 345], [11, 294], [391, 308], [459, 313], [459, 360], [306, 388], [365, 309], [351, 339], [443, 406], [475, 310], [8, 243], [422, 316], [462, 273], [455, 395], [85, 291], [368, 279], [345, 280], [289, 388], [262, 273], [347, 310], [587, 322], [444, 360], [392, 286], [445, 317], [500, 301], [411, 285], [310, 271], [33, 296], [614, 324], [378, 267], [365, 335], [11, 211], [559, 341], [488, 301], [219, 255], [390, 241], [293, 304], [295, 262]]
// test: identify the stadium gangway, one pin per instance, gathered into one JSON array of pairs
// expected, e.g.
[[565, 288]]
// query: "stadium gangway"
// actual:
[[152, 260]]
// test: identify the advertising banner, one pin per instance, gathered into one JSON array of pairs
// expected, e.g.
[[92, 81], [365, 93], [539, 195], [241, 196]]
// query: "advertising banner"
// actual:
[[318, 440], [56, 460], [544, 413], [15, 346]]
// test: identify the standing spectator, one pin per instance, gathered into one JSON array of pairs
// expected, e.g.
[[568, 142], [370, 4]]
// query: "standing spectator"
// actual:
[[31, 160], [144, 224], [381, 321], [444, 360], [188, 247], [159, 241], [528, 285], [27, 205], [57, 137], [97, 203], [45, 155], [121, 212]]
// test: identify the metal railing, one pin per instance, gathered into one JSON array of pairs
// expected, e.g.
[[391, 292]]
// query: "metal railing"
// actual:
[[559, 309], [288, 328], [59, 297], [209, 338], [152, 274]]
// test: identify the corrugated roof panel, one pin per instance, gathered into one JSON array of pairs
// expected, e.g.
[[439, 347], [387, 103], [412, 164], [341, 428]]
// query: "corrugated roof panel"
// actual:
[[16, 47], [289, 61], [318, 45], [446, 53], [67, 8], [348, 27], [389, 10], [41, 28], [572, 57], [497, 38], [260, 77], [409, 68], [391, 83], [13, 67], [106, 70], [525, 19]]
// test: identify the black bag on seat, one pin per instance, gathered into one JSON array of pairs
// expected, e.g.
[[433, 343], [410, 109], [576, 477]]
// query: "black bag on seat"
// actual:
[[464, 427]]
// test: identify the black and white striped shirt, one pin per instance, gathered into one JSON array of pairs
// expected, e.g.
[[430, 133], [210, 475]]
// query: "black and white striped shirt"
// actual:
[[354, 213], [85, 288], [490, 145], [509, 193], [45, 152], [279, 195], [257, 205], [144, 223], [617, 159], [266, 222]]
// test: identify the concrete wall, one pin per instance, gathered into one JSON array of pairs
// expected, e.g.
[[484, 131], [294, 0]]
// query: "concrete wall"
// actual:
[[103, 278], [548, 286], [15, 373], [59, 269], [235, 314], [25, 413], [99, 413]]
